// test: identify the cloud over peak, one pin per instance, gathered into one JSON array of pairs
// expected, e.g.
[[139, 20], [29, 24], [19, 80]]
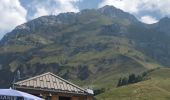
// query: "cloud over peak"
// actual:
[[122, 4], [148, 20], [16, 12], [140, 8], [12, 14], [52, 7]]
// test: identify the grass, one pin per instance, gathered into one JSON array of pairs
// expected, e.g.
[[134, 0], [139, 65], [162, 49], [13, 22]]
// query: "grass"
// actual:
[[15, 48], [54, 59], [156, 88], [13, 66]]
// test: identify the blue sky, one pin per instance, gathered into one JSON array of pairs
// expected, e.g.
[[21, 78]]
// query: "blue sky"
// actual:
[[16, 12]]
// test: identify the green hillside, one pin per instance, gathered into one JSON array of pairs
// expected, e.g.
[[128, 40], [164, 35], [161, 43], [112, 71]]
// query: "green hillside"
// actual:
[[90, 60], [156, 88]]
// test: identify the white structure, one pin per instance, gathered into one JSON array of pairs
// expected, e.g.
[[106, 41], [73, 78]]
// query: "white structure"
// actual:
[[10, 94]]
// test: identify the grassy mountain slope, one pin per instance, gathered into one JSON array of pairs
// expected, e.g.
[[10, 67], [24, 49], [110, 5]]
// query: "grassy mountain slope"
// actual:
[[156, 88], [89, 63]]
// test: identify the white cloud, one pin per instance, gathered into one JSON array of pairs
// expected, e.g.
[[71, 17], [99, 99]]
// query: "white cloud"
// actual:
[[137, 7], [12, 14], [148, 19], [60, 6], [126, 5], [40, 12]]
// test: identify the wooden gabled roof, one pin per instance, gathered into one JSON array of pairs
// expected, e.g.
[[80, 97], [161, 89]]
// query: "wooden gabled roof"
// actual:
[[48, 82]]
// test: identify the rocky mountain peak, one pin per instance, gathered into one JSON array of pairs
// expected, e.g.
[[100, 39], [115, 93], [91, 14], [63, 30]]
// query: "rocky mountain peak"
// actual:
[[164, 21], [114, 12]]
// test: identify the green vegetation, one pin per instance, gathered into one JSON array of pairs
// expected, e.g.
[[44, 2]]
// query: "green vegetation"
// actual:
[[155, 88], [132, 78]]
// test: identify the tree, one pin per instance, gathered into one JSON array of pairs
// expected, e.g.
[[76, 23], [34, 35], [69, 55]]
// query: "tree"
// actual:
[[144, 74], [139, 78], [124, 81], [132, 78], [119, 82]]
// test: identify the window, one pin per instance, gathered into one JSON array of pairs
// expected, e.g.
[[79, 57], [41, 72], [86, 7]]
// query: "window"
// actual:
[[64, 98]]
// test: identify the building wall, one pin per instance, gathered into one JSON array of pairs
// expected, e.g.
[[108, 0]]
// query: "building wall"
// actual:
[[55, 96], [89, 98], [75, 98]]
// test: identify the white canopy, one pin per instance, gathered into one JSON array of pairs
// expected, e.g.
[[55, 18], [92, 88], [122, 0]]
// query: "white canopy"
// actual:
[[16, 93]]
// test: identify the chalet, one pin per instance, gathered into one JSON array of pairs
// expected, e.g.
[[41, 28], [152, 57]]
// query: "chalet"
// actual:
[[53, 87]]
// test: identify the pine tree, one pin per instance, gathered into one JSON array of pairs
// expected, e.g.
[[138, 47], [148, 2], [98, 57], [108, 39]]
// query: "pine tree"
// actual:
[[139, 78], [124, 81], [119, 82], [132, 78]]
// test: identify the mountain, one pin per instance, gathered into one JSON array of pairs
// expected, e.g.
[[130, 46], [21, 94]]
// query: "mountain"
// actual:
[[163, 26], [115, 13], [92, 48]]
